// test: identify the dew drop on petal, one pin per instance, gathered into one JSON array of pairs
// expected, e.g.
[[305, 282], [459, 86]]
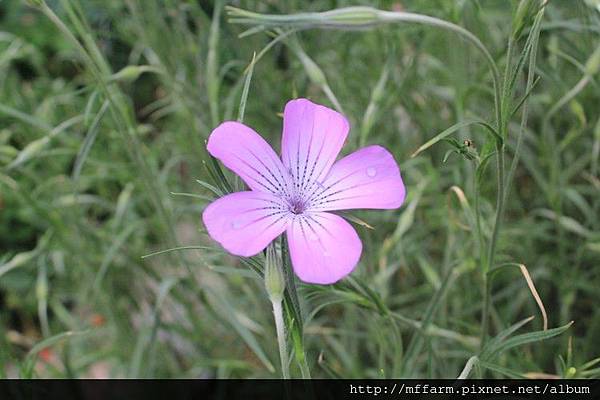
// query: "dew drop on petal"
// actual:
[[371, 172], [236, 224]]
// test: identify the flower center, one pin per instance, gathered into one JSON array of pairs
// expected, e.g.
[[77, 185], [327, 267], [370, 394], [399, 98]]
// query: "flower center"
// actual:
[[297, 205]]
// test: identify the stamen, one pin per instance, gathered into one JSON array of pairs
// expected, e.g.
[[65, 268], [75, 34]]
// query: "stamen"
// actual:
[[297, 205]]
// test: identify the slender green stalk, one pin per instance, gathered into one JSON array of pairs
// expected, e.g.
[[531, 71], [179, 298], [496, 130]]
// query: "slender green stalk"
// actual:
[[364, 17], [281, 341], [275, 287], [304, 370], [503, 183], [485, 314], [293, 312], [493, 240], [503, 131], [487, 293], [476, 206], [486, 259], [468, 367], [212, 65]]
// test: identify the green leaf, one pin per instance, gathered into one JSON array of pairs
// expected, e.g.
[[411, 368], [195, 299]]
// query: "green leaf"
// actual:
[[246, 89], [214, 190], [35, 147], [177, 249], [131, 73], [495, 342], [522, 339], [26, 256], [29, 362], [89, 140], [444, 134], [356, 220], [501, 370], [51, 341], [568, 223]]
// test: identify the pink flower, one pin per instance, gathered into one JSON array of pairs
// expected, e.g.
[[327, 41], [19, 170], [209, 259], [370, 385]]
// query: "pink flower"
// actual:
[[296, 193]]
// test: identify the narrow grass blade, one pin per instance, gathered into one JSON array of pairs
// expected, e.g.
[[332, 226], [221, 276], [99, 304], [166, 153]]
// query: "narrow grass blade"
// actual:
[[249, 71], [23, 258], [88, 142], [177, 249], [502, 346]]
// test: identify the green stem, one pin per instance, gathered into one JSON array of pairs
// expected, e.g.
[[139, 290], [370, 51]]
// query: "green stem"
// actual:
[[503, 185], [485, 315], [499, 206], [360, 18], [477, 206], [304, 370], [212, 65], [293, 313], [280, 327], [500, 197]]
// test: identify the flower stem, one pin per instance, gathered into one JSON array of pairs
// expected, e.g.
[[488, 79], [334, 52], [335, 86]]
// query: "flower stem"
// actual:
[[280, 327], [360, 18], [301, 359], [495, 231], [485, 315]]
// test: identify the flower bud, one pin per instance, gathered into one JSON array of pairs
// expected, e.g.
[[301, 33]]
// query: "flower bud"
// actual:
[[131, 73], [274, 279], [358, 17], [348, 17], [524, 15], [31, 150], [41, 289]]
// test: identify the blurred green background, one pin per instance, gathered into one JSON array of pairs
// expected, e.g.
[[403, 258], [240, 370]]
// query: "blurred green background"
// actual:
[[99, 162]]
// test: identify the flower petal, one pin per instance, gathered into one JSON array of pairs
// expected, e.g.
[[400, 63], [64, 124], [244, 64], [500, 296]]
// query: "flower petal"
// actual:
[[243, 151], [313, 136], [244, 223], [324, 248], [367, 178]]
